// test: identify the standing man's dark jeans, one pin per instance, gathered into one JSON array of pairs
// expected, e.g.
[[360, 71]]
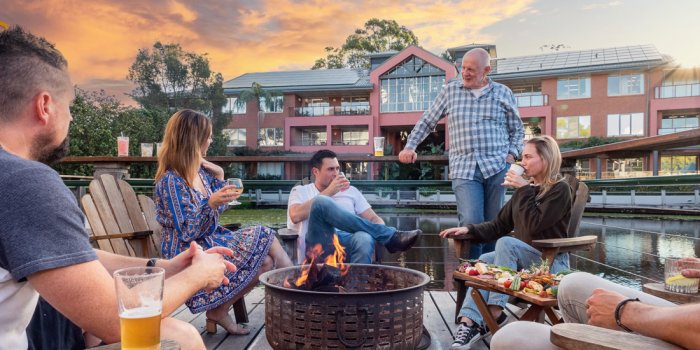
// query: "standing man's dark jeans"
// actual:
[[49, 329], [479, 200]]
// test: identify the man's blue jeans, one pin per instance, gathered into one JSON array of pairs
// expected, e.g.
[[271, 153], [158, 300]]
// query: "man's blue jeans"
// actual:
[[355, 233], [479, 200], [515, 254]]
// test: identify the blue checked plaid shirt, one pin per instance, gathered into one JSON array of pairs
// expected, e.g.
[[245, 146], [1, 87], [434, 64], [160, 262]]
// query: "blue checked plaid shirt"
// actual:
[[483, 130]]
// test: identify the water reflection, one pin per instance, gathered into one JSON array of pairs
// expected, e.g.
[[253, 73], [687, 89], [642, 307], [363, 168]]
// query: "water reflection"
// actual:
[[632, 251]]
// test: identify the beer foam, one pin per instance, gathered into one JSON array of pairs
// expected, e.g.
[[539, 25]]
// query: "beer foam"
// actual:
[[141, 312]]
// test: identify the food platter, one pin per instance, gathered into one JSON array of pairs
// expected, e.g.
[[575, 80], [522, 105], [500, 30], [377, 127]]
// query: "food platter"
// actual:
[[536, 282]]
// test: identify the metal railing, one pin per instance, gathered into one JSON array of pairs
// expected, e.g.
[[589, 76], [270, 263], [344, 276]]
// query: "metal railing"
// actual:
[[673, 91], [317, 111], [532, 99], [669, 192]]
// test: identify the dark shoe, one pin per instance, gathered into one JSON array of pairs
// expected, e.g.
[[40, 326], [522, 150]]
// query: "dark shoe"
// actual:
[[402, 240], [466, 336], [501, 321]]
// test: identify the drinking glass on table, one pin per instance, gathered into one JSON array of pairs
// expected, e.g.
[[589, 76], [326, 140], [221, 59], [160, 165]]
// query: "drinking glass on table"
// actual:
[[675, 281], [140, 299], [239, 188]]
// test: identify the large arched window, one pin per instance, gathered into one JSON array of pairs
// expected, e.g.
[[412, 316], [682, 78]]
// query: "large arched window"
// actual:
[[410, 86]]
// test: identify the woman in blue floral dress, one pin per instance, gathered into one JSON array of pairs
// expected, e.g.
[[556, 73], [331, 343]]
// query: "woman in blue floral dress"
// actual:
[[190, 195]]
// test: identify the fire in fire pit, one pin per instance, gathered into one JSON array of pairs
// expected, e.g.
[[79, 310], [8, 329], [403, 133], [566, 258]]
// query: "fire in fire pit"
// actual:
[[367, 307], [326, 277]]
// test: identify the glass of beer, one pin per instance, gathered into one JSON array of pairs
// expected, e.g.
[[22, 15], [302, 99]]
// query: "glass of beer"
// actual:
[[239, 188], [140, 299]]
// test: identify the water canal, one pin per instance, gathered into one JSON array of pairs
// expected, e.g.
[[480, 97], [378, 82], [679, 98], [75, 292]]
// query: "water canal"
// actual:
[[629, 251]]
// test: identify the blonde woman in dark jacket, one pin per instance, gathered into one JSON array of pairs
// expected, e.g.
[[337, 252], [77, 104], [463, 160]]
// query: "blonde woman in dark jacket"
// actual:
[[539, 209]]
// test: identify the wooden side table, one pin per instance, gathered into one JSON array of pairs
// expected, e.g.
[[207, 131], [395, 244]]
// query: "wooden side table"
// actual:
[[657, 289]]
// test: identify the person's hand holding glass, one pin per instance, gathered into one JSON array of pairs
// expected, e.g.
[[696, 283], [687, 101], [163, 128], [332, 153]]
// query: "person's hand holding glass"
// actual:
[[238, 183], [344, 180]]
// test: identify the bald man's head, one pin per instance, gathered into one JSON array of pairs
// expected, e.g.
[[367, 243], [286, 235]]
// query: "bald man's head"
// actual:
[[479, 54], [475, 68]]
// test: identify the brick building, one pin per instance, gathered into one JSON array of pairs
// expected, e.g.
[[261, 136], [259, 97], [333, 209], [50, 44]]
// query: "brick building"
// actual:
[[621, 92]]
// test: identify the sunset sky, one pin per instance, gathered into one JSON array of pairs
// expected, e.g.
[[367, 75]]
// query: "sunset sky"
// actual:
[[100, 38]]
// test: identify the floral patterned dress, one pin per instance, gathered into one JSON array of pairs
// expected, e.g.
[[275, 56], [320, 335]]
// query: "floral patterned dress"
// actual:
[[185, 215]]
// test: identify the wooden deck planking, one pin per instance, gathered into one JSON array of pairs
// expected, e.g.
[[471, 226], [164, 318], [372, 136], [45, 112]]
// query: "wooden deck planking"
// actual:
[[441, 336]]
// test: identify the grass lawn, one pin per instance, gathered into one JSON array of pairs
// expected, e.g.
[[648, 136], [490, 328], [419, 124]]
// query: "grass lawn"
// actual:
[[247, 216]]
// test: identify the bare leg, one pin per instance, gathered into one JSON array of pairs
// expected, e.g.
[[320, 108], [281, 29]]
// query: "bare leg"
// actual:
[[220, 315], [279, 256], [182, 332]]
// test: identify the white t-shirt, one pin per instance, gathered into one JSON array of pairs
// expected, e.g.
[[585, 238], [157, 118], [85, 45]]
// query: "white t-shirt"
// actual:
[[480, 91], [351, 200]]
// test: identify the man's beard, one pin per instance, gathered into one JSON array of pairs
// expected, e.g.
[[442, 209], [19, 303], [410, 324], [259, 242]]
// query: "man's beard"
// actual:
[[48, 155]]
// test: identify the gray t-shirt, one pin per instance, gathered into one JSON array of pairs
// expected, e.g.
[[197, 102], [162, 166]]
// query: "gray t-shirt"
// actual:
[[41, 228]]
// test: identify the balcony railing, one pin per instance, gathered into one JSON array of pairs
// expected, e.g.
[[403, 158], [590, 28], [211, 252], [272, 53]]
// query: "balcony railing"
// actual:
[[673, 91], [532, 99], [317, 111]]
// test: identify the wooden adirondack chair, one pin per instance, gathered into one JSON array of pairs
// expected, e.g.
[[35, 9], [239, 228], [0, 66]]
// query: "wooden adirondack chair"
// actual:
[[549, 247], [123, 223]]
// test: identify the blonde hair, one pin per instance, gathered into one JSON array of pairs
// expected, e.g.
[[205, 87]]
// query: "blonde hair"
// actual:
[[548, 149], [185, 134]]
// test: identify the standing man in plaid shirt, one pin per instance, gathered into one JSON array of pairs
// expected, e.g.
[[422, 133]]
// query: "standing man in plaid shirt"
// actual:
[[486, 135]]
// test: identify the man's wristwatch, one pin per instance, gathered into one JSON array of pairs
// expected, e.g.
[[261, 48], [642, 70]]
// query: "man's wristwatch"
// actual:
[[151, 262]]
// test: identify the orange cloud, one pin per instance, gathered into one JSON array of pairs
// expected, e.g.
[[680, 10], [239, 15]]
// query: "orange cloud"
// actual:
[[100, 38]]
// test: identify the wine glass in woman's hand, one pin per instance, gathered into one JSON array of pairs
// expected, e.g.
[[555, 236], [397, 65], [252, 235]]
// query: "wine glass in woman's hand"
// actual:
[[238, 183]]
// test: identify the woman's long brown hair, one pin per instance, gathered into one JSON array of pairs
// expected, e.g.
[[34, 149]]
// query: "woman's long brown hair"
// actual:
[[185, 134]]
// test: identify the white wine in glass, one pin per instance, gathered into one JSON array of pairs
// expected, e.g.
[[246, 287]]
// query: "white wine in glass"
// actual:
[[239, 188]]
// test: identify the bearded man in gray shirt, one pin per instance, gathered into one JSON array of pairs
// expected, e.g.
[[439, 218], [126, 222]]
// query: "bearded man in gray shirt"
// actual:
[[44, 248]]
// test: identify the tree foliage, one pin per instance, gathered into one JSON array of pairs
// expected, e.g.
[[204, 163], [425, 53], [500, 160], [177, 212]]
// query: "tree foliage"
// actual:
[[258, 93], [168, 78], [377, 35], [97, 121]]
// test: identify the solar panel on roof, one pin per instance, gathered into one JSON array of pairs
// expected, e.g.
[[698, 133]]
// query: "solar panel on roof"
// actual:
[[578, 59]]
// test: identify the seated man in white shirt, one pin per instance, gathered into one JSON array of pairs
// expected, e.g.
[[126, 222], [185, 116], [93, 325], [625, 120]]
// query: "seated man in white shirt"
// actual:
[[330, 206]]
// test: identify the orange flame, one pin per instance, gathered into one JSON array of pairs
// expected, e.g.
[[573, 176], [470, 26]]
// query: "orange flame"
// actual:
[[311, 256], [336, 260]]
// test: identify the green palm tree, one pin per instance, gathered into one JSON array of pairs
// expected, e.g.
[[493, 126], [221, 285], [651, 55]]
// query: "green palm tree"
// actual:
[[257, 93]]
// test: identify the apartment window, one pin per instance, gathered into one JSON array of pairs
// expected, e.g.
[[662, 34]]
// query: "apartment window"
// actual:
[[573, 127], [355, 170], [676, 123], [354, 105], [231, 107], [678, 165], [583, 169], [313, 137], [625, 84], [680, 83], [271, 137], [630, 124], [410, 86], [350, 137], [316, 106], [576, 87], [270, 170], [274, 106], [236, 137], [627, 167]]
